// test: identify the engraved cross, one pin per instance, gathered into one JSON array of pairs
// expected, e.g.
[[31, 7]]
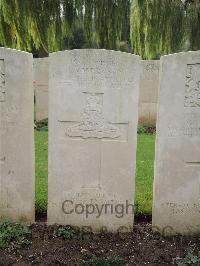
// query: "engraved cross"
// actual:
[[93, 125]]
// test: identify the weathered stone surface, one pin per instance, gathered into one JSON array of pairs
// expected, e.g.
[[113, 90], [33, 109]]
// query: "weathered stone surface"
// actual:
[[92, 137], [176, 205], [41, 84], [16, 136], [148, 93]]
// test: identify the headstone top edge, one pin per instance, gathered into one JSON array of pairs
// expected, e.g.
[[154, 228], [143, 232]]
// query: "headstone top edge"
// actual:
[[80, 51], [181, 54], [10, 50]]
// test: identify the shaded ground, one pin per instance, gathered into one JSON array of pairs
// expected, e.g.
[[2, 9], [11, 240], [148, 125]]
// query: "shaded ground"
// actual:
[[141, 247]]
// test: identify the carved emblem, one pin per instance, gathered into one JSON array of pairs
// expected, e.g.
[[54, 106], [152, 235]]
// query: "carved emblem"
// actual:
[[93, 123], [2, 82], [192, 87]]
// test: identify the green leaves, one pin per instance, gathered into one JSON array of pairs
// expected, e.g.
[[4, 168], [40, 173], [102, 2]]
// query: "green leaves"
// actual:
[[65, 232], [155, 27], [189, 259], [110, 261], [47, 24], [163, 26], [13, 234]]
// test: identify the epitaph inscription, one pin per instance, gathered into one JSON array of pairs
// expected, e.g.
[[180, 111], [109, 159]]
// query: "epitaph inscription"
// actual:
[[93, 124], [192, 86], [2, 81], [190, 127]]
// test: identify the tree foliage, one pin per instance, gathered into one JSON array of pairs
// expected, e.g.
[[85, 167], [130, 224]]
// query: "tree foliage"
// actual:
[[193, 24], [51, 24], [164, 26], [154, 27]]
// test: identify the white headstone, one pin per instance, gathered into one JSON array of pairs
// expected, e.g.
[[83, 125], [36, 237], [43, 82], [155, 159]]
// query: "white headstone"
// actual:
[[41, 83], [148, 95], [92, 137], [176, 207], [16, 136]]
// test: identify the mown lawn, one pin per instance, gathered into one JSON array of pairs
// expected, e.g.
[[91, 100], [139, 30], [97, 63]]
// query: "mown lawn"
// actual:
[[144, 172], [41, 170]]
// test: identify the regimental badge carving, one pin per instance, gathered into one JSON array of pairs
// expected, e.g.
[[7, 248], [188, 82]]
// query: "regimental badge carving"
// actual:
[[192, 87], [2, 81], [93, 123]]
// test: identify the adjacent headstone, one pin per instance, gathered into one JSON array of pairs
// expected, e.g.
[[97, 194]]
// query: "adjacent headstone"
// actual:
[[16, 136], [176, 207], [148, 95], [41, 81], [92, 138]]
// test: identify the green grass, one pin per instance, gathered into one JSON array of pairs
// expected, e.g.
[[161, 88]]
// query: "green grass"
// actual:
[[144, 172], [41, 167]]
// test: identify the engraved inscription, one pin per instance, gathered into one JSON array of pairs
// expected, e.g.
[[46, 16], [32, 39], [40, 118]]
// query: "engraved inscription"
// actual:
[[192, 87], [152, 67], [101, 67], [2, 81], [192, 124], [103, 73], [177, 208], [190, 127], [193, 163], [93, 124]]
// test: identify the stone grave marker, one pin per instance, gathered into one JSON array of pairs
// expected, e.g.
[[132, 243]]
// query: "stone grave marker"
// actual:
[[176, 207], [41, 80], [17, 195], [148, 92], [92, 138]]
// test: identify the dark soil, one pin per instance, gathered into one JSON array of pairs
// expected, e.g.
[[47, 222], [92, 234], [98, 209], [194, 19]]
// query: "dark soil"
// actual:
[[141, 247]]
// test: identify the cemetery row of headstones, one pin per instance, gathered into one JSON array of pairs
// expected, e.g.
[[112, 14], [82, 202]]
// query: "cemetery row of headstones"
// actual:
[[93, 115]]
